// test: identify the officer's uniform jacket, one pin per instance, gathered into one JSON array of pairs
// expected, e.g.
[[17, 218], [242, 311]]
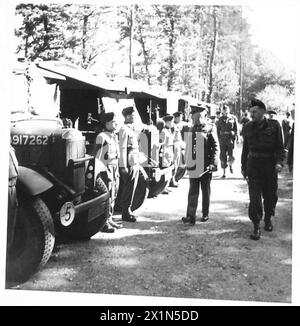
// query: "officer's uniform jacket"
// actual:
[[167, 145], [227, 129], [129, 146], [107, 150], [263, 142], [210, 150]]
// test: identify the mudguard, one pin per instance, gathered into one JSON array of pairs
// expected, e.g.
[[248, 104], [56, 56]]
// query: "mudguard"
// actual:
[[32, 182]]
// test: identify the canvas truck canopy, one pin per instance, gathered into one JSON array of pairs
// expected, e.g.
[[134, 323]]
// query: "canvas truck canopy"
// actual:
[[76, 73], [33, 91]]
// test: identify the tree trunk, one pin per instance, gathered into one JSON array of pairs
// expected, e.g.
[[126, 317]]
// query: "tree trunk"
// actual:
[[212, 55], [84, 38], [131, 34], [145, 53], [171, 55]]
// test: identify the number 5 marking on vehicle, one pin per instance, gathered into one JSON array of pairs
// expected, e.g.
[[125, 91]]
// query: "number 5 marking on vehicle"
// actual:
[[67, 213]]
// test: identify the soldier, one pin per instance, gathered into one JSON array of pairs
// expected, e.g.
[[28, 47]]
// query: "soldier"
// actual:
[[290, 157], [227, 131], [166, 139], [209, 150], [128, 162], [287, 128], [107, 162], [262, 159], [272, 114]]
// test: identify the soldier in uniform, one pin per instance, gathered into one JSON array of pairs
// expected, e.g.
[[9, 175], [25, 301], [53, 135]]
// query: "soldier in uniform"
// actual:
[[210, 153], [166, 139], [178, 145], [262, 159], [107, 162], [227, 131], [128, 162], [272, 114], [287, 124]]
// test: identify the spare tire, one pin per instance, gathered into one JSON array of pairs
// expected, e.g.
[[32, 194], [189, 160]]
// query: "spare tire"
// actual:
[[180, 173], [141, 192], [33, 240]]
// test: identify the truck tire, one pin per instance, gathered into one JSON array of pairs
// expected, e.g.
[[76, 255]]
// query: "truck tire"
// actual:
[[157, 187], [33, 240], [180, 173], [142, 190]]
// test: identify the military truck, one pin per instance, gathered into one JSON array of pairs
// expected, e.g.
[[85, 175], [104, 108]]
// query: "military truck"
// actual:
[[57, 185]]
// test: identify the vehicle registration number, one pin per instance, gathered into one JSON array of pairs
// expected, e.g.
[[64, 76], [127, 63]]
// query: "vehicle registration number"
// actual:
[[29, 140]]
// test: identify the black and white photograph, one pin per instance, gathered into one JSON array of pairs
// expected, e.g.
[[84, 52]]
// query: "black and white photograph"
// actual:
[[149, 152]]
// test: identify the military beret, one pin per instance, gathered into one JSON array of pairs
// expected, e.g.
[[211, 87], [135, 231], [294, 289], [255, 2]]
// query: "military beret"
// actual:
[[212, 117], [168, 117], [106, 117], [195, 108], [258, 103], [177, 114], [128, 110], [272, 112]]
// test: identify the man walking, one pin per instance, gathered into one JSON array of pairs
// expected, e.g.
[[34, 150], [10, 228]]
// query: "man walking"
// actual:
[[262, 158], [201, 159], [227, 131]]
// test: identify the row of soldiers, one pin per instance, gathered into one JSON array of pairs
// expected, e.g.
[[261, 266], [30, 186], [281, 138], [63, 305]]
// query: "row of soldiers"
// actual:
[[118, 157], [262, 158]]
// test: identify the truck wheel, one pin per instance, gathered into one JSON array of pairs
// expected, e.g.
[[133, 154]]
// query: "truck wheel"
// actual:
[[33, 240], [142, 190], [157, 187], [180, 173]]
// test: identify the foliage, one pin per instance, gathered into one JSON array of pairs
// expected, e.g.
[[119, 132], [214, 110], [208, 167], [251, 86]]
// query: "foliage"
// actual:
[[204, 51], [276, 97]]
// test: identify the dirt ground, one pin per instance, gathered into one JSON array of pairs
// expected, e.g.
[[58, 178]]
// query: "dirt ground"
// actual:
[[159, 256]]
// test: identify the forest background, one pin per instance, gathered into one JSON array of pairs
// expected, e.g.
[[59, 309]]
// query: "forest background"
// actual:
[[198, 50]]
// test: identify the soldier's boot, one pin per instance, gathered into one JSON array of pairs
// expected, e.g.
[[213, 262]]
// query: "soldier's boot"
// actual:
[[114, 224], [189, 220], [224, 173], [256, 232], [204, 218], [107, 228], [231, 169], [268, 224]]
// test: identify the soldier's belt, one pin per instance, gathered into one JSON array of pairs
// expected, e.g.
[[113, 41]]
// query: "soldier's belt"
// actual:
[[225, 132], [260, 155]]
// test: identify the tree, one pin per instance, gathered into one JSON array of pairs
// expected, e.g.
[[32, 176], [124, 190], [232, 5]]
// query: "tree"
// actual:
[[40, 34]]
